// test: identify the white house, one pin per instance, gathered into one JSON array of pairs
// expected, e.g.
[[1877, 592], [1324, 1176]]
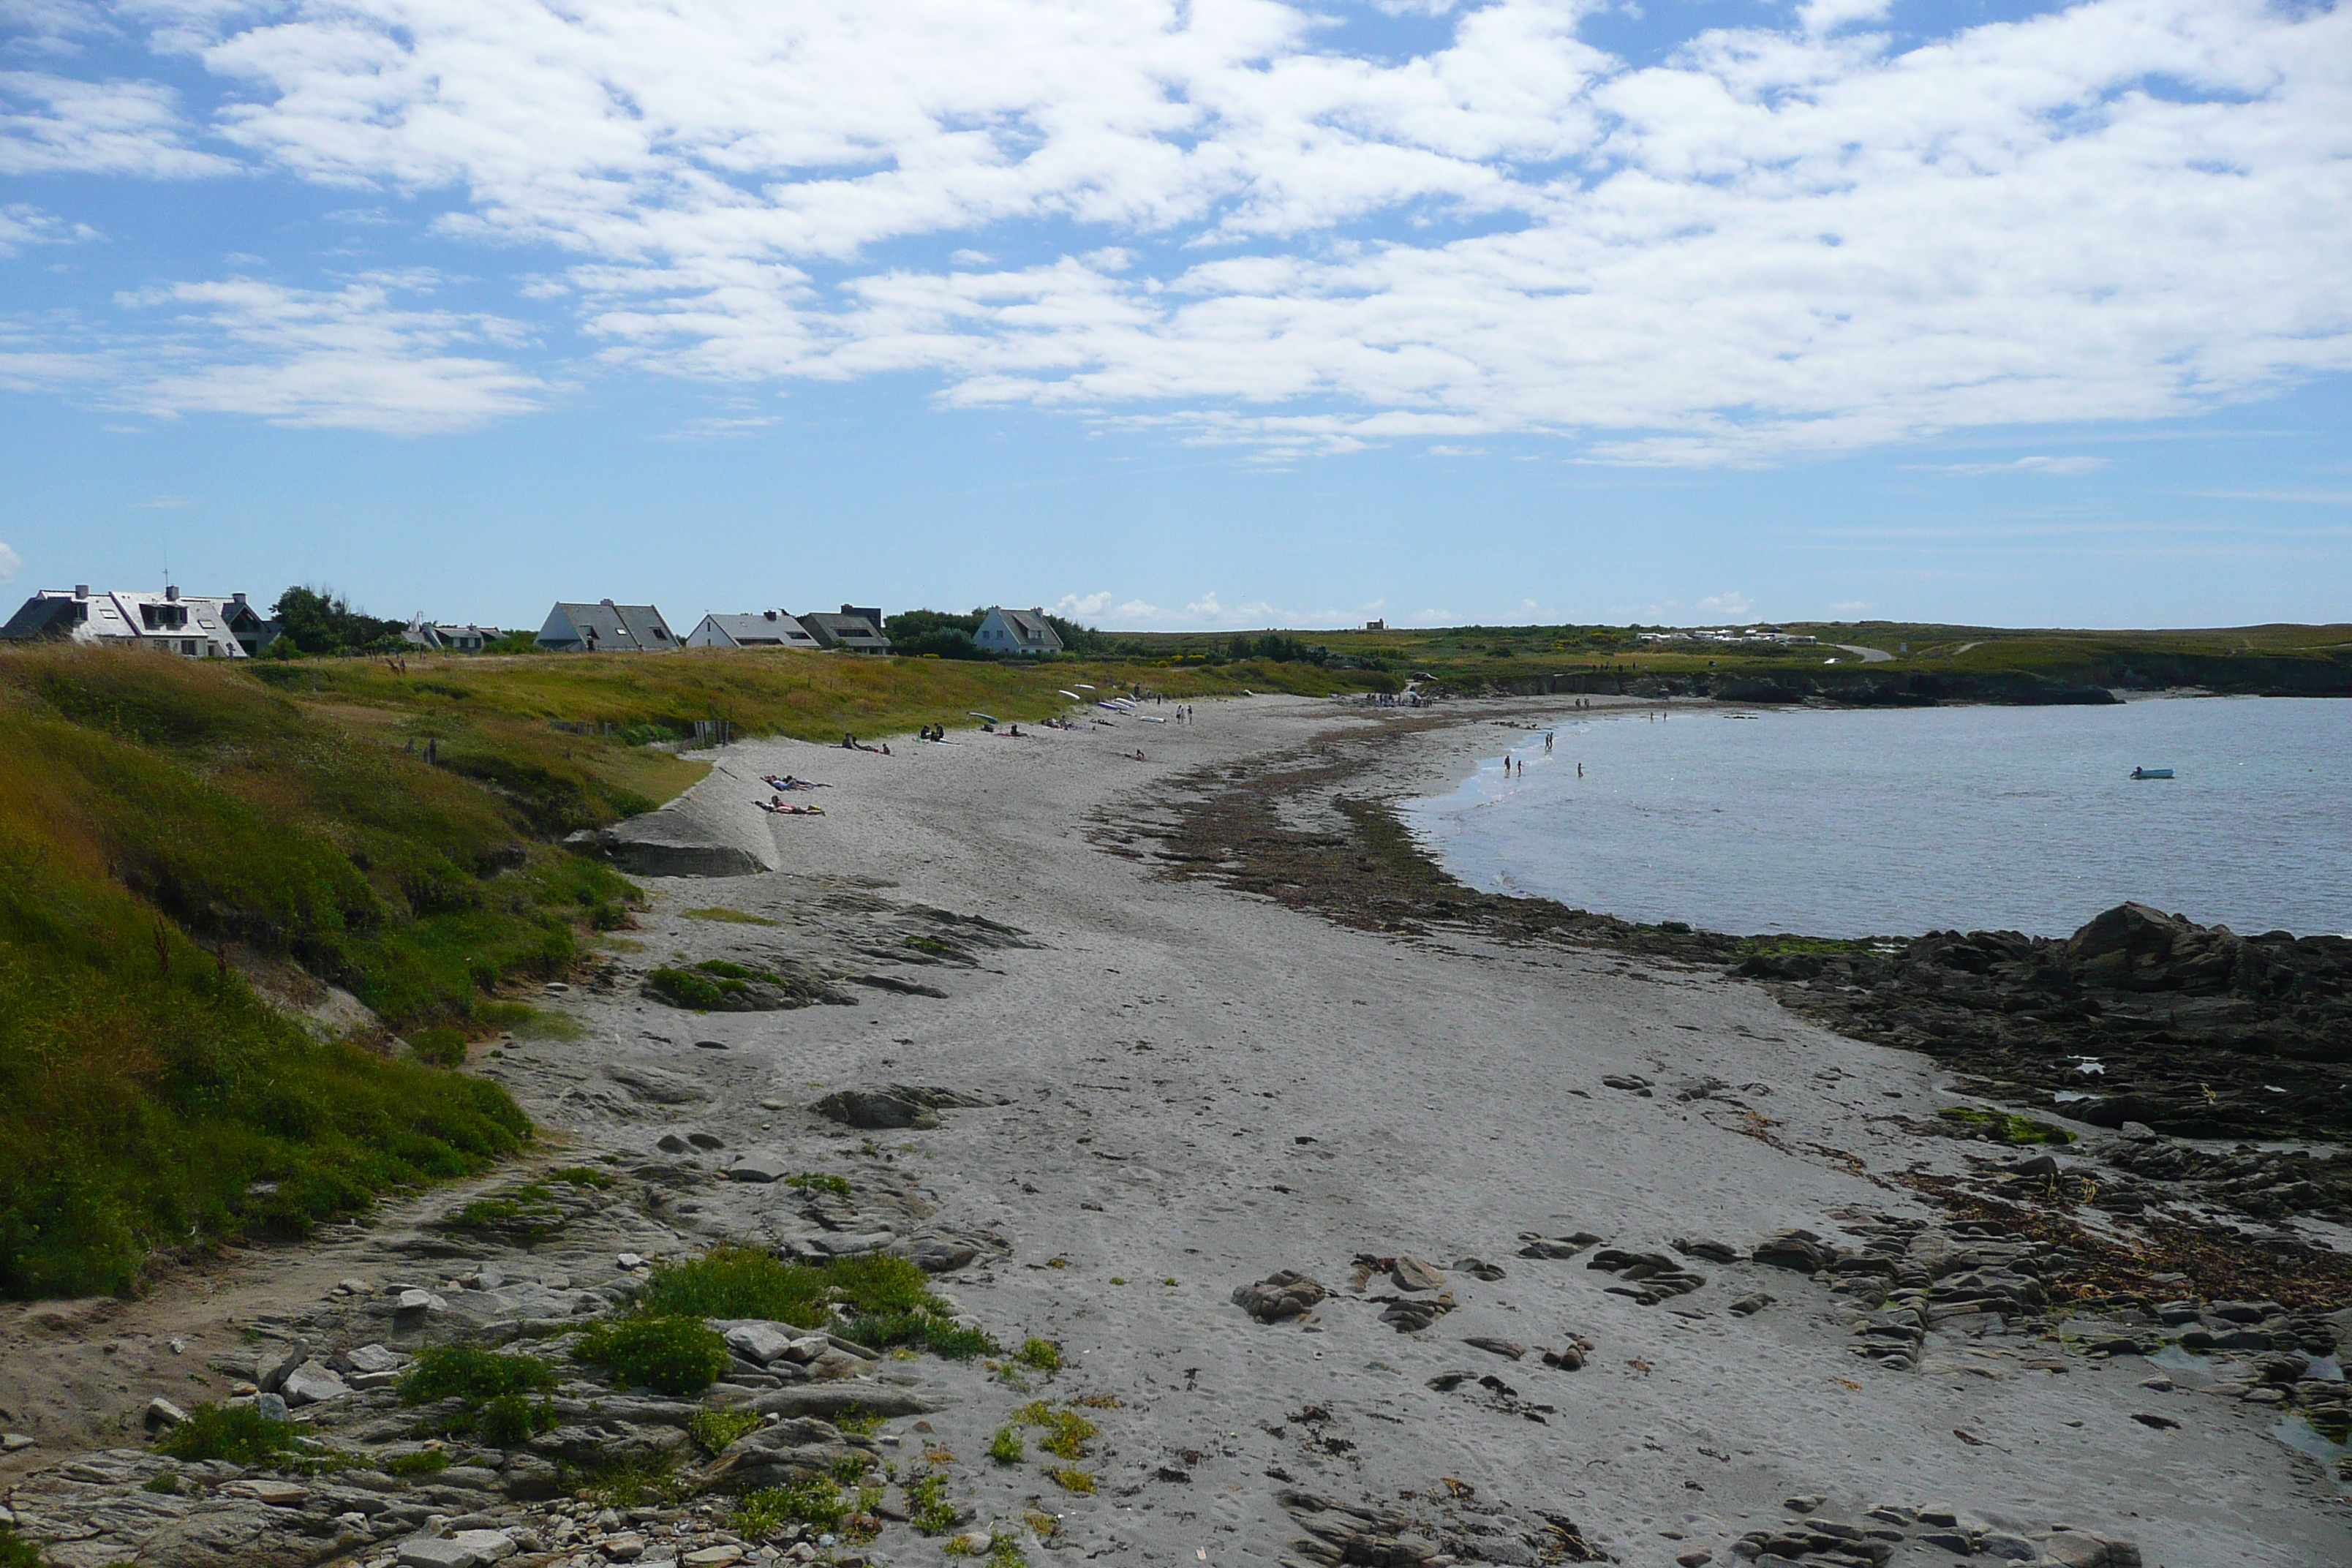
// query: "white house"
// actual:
[[441, 637], [191, 626], [764, 628], [1017, 631], [606, 628]]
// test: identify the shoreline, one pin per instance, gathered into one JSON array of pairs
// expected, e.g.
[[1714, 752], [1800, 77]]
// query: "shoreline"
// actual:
[[1177, 1076]]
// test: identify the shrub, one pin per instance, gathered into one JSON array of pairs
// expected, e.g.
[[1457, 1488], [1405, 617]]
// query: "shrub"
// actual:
[[1006, 1447], [1042, 1355], [715, 1430], [928, 1508], [166, 1483], [472, 1373], [819, 1182], [684, 988], [424, 1462], [1070, 1479], [440, 1046], [16, 1552], [239, 1434], [818, 1503], [672, 1353], [510, 1421], [580, 1176], [1066, 1431], [924, 1329]]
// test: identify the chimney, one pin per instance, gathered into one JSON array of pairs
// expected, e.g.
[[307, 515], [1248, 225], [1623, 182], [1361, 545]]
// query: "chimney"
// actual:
[[771, 615], [607, 603], [170, 594], [81, 590], [239, 597]]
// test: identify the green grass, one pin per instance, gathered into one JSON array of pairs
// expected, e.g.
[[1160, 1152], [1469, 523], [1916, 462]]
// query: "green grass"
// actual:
[[580, 1176], [1067, 1433], [876, 1300], [238, 1434], [424, 1462], [16, 1552], [1042, 1355], [819, 1182], [667, 1351], [736, 917], [1006, 1447], [2008, 1126], [713, 1430], [472, 1373]]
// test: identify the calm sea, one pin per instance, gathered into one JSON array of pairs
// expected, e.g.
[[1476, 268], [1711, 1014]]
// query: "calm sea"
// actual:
[[1890, 823]]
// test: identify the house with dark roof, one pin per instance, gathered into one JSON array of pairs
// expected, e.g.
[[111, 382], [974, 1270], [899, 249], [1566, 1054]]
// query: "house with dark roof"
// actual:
[[606, 628], [193, 626], [442, 637], [1017, 631], [854, 630], [762, 628]]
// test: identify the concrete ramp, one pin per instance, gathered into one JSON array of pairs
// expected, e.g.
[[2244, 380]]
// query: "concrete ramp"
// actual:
[[715, 830]]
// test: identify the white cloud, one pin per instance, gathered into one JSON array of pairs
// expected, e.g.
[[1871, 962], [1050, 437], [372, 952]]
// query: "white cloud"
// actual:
[[1082, 607], [52, 123], [346, 358], [1728, 606], [2061, 466], [1772, 241], [10, 563], [21, 226]]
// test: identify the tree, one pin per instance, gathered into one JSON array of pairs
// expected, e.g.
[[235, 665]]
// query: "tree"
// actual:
[[321, 621]]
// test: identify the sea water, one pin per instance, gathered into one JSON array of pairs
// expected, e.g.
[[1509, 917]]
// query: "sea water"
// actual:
[[1898, 821]]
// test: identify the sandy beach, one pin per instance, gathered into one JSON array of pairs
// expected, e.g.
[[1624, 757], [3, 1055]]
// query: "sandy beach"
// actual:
[[1189, 1089]]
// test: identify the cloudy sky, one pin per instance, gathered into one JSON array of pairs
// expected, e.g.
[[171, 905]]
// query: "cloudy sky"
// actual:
[[1186, 313]]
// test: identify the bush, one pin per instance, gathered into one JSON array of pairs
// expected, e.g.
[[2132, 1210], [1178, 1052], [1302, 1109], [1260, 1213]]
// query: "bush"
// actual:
[[714, 1431], [510, 1421], [239, 1434], [473, 1374], [580, 1176], [16, 1552], [672, 1353], [1006, 1447], [685, 988], [424, 1462], [1042, 1355], [819, 1503], [439, 1047]]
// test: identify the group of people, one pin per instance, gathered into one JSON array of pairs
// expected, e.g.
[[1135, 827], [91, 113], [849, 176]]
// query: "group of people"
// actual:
[[850, 742]]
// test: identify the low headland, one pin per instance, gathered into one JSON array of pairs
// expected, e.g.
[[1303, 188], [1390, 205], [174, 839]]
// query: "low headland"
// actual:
[[1113, 1140]]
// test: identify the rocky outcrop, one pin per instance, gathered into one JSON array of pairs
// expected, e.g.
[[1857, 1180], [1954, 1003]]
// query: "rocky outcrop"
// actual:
[[2139, 1017]]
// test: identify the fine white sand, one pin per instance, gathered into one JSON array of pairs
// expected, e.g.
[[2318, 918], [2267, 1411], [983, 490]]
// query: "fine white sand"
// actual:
[[1204, 1087]]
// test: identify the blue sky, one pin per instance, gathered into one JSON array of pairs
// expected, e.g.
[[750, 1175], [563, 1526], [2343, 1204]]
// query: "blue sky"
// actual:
[[1224, 313]]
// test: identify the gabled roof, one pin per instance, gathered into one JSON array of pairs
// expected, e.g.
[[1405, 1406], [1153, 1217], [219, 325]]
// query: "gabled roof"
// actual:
[[609, 626], [763, 628], [1028, 629], [847, 631]]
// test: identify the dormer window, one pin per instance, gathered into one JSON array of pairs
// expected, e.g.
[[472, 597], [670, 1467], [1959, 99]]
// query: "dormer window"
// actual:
[[163, 617]]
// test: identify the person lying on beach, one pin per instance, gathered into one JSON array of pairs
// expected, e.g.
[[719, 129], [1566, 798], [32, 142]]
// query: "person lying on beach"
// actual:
[[778, 807], [790, 783]]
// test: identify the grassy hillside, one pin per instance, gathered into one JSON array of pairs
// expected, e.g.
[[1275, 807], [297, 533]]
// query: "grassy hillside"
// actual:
[[162, 821]]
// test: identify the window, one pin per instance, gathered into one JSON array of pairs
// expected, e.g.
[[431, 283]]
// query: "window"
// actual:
[[163, 617]]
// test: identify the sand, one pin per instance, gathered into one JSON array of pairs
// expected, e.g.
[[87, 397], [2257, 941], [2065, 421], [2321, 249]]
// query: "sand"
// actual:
[[1201, 1088]]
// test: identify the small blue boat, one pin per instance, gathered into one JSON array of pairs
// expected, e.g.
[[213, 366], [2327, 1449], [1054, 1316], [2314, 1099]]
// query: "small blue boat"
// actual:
[[2151, 773]]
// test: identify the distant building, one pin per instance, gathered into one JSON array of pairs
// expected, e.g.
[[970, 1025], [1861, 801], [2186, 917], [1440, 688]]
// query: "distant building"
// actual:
[[191, 626], [854, 630], [1017, 631], [764, 628], [606, 628], [439, 638], [1376, 626]]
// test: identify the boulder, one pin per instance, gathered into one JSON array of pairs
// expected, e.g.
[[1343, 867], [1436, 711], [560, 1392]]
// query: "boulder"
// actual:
[[1798, 1249], [1414, 1274], [313, 1384], [1284, 1294], [760, 1168], [2082, 1548], [466, 1549], [875, 1109], [161, 1415], [269, 1373], [764, 1342]]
